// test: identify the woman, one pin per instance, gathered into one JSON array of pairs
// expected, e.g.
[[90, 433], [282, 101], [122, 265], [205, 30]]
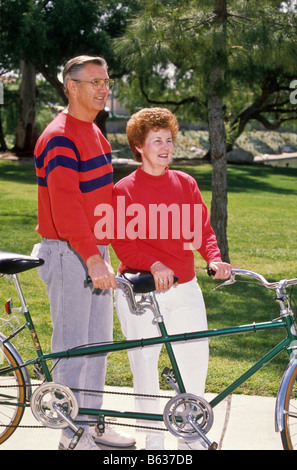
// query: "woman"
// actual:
[[163, 212]]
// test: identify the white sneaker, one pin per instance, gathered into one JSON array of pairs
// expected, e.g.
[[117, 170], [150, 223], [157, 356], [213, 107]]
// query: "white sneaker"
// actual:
[[86, 442], [154, 442], [110, 437]]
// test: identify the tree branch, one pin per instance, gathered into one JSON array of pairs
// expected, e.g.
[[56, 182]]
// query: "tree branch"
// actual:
[[191, 99], [52, 79]]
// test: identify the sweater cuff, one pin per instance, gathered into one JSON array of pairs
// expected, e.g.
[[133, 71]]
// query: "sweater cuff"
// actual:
[[89, 251]]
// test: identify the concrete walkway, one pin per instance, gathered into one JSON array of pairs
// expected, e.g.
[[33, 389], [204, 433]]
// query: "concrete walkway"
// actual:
[[285, 160], [245, 423]]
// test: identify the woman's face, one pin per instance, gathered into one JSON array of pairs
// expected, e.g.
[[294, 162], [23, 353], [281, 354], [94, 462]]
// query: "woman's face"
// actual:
[[156, 152]]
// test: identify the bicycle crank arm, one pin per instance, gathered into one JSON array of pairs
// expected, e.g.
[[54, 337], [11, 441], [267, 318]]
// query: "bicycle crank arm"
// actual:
[[78, 432], [211, 445]]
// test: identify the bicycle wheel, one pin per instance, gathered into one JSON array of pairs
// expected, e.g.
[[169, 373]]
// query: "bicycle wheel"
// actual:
[[12, 394], [289, 433]]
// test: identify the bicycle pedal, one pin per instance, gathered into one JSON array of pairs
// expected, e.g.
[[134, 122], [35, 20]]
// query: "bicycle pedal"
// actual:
[[101, 425], [74, 441], [213, 446], [168, 375]]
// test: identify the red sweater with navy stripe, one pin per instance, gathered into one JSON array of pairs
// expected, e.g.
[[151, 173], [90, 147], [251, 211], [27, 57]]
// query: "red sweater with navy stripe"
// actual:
[[74, 175]]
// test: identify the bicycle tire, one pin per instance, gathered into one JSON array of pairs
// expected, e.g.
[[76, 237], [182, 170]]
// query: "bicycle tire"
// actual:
[[288, 434], [12, 394]]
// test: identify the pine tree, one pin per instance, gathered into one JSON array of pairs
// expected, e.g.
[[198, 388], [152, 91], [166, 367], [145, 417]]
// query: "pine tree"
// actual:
[[215, 61]]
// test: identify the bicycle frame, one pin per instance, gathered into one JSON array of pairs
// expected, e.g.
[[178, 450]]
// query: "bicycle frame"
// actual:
[[286, 322]]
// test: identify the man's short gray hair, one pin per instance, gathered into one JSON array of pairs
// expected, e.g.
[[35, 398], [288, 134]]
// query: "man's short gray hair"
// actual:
[[75, 65]]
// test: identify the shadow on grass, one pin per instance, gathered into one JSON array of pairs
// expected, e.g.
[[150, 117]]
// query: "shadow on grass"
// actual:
[[258, 178], [241, 178], [245, 178], [17, 172]]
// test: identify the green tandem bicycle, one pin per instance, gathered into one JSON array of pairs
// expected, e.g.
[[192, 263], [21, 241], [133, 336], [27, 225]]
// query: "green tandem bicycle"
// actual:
[[185, 414]]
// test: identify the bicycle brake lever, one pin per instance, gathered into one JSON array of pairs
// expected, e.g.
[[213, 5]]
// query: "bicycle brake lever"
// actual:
[[211, 272], [229, 281]]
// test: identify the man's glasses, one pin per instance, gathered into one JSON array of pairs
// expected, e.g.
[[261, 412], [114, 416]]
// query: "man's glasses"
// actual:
[[98, 83]]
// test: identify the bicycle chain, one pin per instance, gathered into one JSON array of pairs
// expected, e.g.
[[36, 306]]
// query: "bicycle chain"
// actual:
[[121, 393], [95, 422]]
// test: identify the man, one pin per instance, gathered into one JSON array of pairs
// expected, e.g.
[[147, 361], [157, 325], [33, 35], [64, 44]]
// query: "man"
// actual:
[[74, 174]]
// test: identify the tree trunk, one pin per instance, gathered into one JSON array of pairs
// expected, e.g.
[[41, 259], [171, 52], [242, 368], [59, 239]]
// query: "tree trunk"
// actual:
[[3, 145], [100, 121], [53, 79], [26, 135], [217, 136]]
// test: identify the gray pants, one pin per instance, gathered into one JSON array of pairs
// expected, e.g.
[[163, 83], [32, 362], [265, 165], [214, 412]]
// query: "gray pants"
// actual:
[[80, 316]]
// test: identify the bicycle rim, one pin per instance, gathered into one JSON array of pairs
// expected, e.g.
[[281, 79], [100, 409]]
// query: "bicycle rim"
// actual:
[[289, 433], [12, 395]]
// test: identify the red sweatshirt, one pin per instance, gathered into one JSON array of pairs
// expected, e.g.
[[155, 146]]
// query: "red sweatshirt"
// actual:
[[74, 174], [163, 214]]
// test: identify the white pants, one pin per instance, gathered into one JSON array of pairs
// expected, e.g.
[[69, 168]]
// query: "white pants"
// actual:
[[183, 310]]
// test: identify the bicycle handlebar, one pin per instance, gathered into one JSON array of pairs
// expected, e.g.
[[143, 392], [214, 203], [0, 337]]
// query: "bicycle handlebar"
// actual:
[[278, 285], [269, 285], [238, 272]]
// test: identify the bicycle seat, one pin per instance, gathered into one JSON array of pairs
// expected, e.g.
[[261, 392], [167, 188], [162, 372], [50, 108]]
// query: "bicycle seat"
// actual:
[[13, 263], [142, 281]]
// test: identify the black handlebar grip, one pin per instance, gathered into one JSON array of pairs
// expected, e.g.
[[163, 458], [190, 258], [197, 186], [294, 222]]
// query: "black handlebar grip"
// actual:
[[210, 272]]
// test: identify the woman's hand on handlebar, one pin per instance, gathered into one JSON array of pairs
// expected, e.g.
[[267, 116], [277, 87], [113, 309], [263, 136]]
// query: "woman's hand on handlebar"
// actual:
[[222, 270]]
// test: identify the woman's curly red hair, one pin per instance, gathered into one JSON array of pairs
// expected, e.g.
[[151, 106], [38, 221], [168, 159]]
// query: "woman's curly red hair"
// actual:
[[145, 120]]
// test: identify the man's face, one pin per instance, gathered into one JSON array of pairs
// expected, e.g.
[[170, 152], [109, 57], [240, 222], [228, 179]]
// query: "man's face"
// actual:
[[87, 98]]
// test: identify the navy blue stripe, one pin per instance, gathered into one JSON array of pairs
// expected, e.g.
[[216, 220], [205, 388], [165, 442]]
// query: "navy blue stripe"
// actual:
[[61, 160], [41, 181], [95, 162], [59, 141], [70, 163], [92, 185]]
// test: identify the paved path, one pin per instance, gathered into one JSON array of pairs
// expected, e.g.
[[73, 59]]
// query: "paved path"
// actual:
[[250, 426], [281, 160]]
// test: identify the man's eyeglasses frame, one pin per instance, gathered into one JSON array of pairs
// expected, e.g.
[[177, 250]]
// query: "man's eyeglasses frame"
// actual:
[[97, 83]]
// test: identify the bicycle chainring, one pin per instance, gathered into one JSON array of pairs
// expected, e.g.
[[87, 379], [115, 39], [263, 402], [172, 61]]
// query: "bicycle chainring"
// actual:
[[178, 409], [46, 397]]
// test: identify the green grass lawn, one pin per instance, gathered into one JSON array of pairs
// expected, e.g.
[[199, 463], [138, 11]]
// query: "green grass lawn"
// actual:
[[262, 228]]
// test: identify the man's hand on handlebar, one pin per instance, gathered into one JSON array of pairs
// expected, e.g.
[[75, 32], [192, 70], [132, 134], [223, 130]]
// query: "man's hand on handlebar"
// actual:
[[101, 273]]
